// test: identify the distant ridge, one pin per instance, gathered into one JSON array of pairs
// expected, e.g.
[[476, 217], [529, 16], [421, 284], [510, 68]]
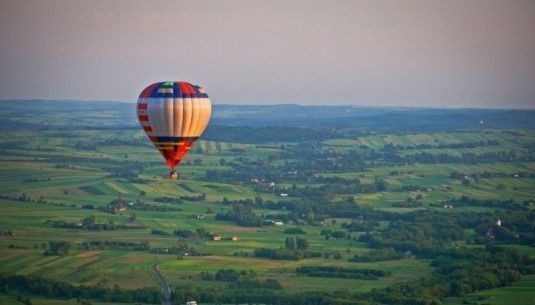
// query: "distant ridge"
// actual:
[[284, 104], [117, 114]]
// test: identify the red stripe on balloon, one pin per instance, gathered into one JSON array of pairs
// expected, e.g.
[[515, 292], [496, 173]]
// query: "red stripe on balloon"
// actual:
[[142, 106], [174, 155], [143, 118], [148, 91], [186, 88], [147, 128]]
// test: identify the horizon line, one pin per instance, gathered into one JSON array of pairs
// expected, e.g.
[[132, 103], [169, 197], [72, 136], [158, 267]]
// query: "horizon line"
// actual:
[[289, 104]]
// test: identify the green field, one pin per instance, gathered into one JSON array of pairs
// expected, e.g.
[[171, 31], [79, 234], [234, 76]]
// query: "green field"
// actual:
[[52, 175], [519, 293]]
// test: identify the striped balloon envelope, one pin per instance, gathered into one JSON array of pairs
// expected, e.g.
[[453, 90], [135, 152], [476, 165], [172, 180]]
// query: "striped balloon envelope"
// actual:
[[174, 115]]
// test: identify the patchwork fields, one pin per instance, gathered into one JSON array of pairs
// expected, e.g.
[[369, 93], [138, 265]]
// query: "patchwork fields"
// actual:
[[50, 176]]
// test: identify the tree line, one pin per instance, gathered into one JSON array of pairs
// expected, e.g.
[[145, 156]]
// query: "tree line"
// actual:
[[61, 290], [341, 272]]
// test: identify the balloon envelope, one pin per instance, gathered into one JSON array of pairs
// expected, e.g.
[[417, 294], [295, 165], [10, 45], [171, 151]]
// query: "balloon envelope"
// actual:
[[173, 115]]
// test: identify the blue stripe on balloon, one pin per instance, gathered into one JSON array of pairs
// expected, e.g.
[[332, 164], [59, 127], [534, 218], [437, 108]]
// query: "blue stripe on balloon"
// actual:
[[176, 88], [177, 93]]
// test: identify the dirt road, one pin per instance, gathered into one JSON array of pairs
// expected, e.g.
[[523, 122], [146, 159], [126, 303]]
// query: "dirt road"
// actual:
[[166, 292]]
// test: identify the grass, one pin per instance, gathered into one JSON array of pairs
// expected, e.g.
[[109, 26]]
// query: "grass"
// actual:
[[12, 299], [520, 293], [400, 271], [82, 176], [130, 269], [435, 139]]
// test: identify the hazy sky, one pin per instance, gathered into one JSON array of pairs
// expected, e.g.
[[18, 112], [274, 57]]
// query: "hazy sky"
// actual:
[[466, 53]]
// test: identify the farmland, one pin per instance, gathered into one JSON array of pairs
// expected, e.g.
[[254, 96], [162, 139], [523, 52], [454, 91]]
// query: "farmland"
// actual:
[[348, 193]]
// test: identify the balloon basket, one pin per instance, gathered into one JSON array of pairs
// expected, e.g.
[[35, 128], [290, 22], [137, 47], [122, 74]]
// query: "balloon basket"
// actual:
[[173, 175]]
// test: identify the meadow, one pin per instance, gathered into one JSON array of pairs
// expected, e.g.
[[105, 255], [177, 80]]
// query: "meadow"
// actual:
[[70, 174]]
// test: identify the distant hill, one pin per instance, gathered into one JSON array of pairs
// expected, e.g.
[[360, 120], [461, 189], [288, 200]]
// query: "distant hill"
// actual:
[[27, 114]]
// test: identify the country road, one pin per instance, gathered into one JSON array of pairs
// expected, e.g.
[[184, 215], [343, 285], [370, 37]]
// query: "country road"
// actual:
[[166, 293]]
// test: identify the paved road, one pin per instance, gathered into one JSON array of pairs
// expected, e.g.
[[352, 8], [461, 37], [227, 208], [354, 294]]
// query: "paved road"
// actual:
[[166, 293]]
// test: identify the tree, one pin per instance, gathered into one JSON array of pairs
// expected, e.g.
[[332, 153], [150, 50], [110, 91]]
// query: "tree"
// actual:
[[89, 221], [301, 243], [296, 243], [60, 248], [380, 184], [289, 243], [243, 215]]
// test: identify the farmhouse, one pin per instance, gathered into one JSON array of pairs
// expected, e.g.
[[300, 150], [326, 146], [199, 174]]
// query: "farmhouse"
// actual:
[[7, 233], [216, 238], [118, 207], [490, 233]]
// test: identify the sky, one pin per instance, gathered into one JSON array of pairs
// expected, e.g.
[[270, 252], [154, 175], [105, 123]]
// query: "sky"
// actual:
[[437, 53]]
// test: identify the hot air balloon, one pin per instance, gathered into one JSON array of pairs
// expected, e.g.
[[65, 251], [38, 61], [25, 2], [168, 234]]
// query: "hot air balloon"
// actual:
[[173, 115]]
